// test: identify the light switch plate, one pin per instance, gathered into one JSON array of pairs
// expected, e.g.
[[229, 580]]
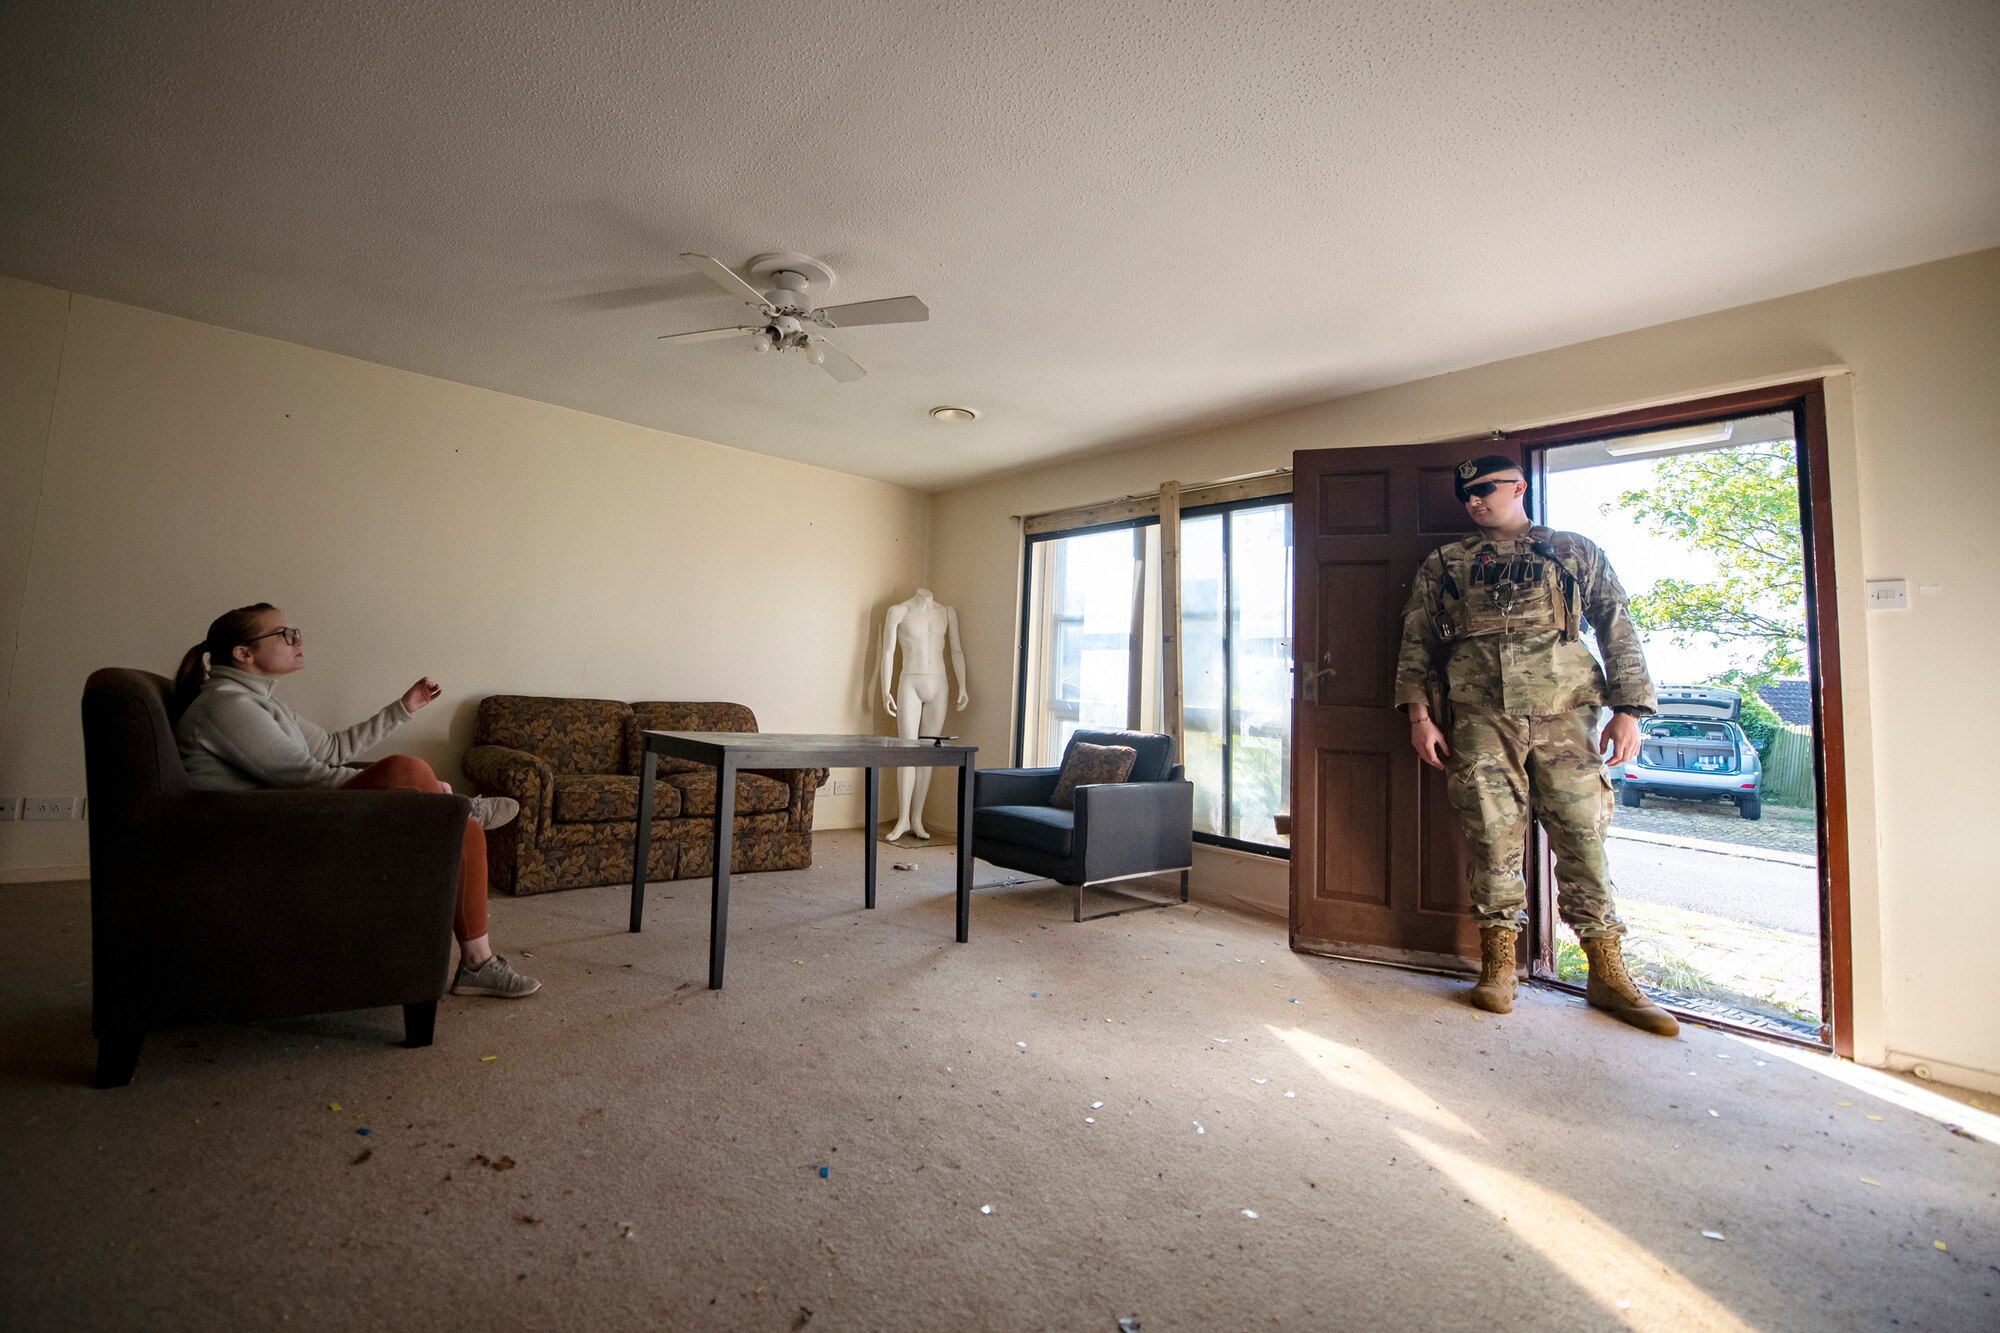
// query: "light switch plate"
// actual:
[[1888, 594]]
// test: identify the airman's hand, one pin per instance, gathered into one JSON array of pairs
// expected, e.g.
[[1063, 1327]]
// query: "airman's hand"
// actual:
[[1622, 734], [420, 694], [1428, 742]]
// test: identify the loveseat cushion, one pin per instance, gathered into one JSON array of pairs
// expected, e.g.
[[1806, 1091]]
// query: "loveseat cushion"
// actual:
[[755, 794], [569, 735], [602, 798], [1042, 827], [675, 715]]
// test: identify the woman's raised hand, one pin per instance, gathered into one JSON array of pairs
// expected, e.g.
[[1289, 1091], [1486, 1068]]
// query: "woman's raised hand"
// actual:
[[420, 694]]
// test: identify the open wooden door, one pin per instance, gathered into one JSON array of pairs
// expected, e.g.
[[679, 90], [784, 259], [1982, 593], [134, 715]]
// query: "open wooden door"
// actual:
[[1377, 868]]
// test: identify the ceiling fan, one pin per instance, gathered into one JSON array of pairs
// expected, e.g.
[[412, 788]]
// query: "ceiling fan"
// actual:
[[790, 318]]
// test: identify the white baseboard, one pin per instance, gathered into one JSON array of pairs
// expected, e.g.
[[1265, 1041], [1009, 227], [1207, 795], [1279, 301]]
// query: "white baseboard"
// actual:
[[1940, 1071], [41, 874]]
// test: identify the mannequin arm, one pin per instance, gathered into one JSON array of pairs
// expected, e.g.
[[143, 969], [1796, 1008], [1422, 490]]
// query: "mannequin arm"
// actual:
[[957, 656], [889, 623]]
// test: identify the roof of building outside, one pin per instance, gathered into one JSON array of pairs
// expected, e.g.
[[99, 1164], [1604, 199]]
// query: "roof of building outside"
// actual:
[[1790, 700]]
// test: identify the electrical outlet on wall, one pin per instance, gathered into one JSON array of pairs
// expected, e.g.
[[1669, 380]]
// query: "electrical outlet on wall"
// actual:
[[51, 807], [10, 807], [843, 786]]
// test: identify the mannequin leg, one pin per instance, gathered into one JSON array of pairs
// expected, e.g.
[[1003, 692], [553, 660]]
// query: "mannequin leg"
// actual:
[[933, 726], [909, 721]]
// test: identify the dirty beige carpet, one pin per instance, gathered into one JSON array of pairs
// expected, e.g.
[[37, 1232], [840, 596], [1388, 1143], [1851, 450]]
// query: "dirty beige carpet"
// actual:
[[1165, 1117]]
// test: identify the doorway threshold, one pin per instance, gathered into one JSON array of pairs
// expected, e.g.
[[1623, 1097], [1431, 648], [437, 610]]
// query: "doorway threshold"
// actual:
[[1716, 1014]]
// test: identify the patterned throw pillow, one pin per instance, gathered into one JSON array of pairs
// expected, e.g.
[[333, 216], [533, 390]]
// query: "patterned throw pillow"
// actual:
[[1086, 764]]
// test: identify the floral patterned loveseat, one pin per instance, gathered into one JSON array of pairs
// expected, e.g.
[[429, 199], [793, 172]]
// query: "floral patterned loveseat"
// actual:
[[573, 764]]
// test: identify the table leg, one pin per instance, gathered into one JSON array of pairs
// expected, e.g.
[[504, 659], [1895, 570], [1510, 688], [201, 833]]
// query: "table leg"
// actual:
[[965, 850], [642, 841], [871, 813], [718, 900]]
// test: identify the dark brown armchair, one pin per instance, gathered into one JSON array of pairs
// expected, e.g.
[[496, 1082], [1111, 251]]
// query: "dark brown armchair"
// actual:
[[200, 900]]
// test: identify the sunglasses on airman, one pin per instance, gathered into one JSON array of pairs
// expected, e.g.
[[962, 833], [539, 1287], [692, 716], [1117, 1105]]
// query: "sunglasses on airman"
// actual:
[[1482, 489]]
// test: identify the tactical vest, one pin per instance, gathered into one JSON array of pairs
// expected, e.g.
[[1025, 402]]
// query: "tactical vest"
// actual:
[[1483, 591]]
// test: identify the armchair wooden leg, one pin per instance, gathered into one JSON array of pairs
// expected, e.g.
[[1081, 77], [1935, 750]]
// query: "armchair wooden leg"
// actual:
[[419, 1022], [1184, 875], [117, 1057]]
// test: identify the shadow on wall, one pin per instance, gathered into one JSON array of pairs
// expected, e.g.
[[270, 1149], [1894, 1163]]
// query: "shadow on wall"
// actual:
[[867, 682], [458, 733]]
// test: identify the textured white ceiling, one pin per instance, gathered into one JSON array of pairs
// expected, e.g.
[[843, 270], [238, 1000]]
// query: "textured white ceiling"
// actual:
[[1126, 217]]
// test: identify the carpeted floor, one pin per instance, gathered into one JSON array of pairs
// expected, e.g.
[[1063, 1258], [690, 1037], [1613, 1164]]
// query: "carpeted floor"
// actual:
[[1283, 1142]]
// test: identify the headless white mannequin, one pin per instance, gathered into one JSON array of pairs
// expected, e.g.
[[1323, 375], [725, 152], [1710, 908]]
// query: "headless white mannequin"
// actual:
[[923, 630]]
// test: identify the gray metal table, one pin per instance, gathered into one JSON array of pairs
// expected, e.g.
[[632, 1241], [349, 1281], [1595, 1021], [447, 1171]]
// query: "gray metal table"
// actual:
[[730, 752]]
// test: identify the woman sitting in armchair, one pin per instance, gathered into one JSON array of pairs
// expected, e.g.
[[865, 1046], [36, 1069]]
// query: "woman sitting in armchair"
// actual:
[[234, 735]]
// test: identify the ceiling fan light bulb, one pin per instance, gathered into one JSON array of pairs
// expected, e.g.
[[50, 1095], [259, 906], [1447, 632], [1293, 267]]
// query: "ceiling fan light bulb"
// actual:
[[761, 343], [816, 354]]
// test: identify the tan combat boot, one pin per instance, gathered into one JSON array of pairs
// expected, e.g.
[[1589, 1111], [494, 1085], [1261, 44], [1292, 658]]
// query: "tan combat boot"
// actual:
[[1495, 991], [1612, 989]]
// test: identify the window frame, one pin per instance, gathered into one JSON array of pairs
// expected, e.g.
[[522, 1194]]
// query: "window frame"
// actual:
[[1223, 509], [1026, 628]]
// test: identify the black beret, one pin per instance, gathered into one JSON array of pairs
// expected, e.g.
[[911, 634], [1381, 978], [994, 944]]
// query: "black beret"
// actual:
[[1472, 468]]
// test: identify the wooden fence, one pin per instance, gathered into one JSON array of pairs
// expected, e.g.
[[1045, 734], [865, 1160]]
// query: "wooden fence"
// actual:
[[1788, 767]]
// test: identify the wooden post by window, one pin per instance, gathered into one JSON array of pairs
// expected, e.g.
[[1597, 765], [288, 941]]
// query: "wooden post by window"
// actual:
[[1170, 612]]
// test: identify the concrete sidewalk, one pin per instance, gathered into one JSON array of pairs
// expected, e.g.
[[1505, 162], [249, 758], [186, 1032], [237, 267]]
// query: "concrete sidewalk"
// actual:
[[1721, 848]]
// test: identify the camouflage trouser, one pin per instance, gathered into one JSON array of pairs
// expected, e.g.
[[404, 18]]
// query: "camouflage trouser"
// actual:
[[1503, 767]]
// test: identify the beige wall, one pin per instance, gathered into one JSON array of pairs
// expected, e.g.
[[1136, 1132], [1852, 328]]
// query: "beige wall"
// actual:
[[411, 526], [1916, 465]]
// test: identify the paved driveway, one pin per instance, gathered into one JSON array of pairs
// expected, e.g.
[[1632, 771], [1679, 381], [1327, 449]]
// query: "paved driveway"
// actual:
[[1782, 829]]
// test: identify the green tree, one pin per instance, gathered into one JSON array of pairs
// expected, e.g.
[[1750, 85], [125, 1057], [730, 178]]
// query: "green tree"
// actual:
[[1740, 506]]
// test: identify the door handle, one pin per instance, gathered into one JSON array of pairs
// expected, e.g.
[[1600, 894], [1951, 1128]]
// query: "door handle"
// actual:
[[1309, 686]]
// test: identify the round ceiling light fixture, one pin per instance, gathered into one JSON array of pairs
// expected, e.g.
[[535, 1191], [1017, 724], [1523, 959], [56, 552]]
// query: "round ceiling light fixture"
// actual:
[[953, 414]]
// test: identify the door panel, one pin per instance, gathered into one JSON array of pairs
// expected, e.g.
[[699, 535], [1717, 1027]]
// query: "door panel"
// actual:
[[1353, 828], [1353, 591], [1377, 870]]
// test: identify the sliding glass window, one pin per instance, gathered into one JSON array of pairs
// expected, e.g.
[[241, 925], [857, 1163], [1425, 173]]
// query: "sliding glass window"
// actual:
[[1236, 635], [1091, 655], [1092, 644]]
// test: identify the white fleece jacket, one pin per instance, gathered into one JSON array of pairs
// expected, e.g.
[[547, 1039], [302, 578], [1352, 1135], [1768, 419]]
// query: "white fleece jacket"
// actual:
[[236, 737]]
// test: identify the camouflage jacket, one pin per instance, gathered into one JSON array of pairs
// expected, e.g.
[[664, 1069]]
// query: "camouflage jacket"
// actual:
[[1501, 626]]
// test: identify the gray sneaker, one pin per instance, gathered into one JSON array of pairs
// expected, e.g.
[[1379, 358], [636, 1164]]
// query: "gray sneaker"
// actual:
[[496, 977], [494, 811]]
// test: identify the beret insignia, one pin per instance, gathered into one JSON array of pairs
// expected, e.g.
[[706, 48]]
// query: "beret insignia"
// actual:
[[1468, 469]]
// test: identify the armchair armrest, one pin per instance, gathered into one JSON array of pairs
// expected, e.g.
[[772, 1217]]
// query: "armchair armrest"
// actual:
[[229, 883], [1013, 786], [516, 773], [803, 782], [1129, 828]]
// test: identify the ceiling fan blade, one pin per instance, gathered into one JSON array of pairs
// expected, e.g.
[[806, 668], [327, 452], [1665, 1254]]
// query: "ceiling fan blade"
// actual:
[[724, 277], [838, 363], [890, 310], [706, 335]]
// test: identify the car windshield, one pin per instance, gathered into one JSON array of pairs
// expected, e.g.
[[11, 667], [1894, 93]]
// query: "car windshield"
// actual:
[[1673, 728]]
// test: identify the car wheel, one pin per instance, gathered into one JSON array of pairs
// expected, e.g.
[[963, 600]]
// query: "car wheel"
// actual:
[[1751, 807], [1629, 796]]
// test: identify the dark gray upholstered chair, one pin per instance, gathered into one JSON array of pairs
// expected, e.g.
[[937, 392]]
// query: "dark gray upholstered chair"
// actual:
[[1118, 830], [202, 902]]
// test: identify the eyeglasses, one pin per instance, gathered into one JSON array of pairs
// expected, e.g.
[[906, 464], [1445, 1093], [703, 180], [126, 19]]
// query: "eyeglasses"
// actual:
[[1482, 489], [286, 632]]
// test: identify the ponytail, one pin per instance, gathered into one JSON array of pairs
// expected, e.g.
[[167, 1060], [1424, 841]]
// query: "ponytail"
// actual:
[[224, 633]]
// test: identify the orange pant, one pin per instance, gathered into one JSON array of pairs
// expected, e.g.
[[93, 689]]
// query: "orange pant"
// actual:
[[402, 772]]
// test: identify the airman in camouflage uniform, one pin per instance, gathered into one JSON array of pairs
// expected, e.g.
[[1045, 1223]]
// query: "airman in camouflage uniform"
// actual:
[[1493, 654]]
